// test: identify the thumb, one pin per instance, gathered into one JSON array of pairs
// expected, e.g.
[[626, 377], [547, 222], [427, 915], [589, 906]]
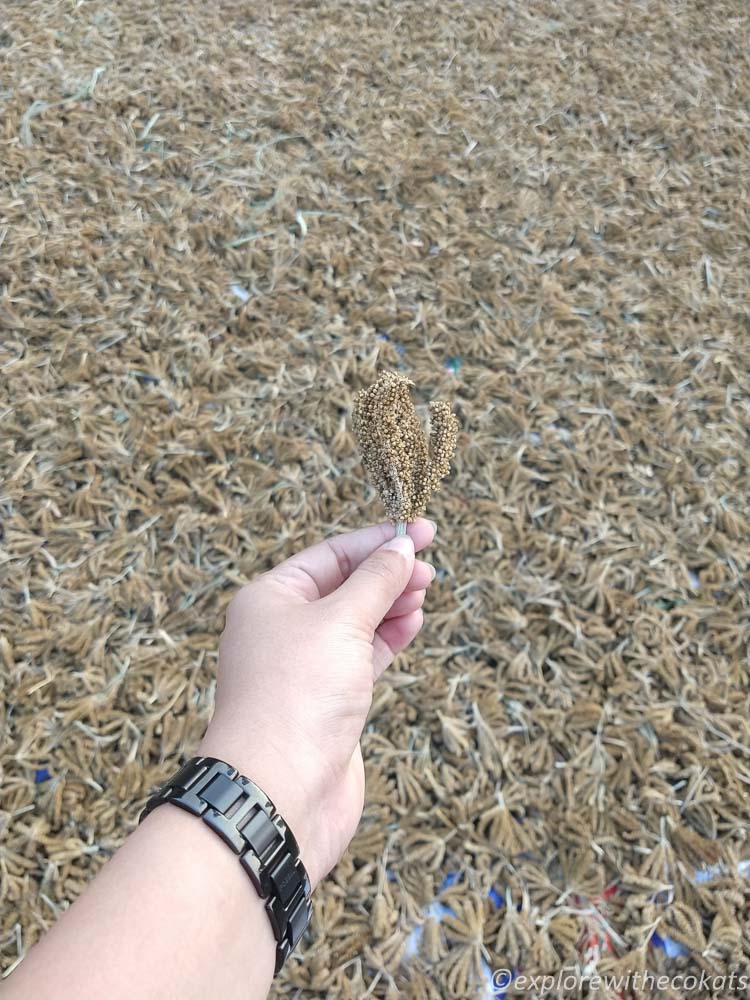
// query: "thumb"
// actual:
[[378, 580]]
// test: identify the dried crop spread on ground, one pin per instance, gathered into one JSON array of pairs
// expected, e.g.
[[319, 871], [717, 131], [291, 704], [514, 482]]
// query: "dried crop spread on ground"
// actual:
[[218, 222]]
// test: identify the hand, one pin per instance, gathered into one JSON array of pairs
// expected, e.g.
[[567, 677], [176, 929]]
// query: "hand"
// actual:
[[303, 645]]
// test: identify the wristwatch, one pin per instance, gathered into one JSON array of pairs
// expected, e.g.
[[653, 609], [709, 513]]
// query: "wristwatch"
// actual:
[[248, 822]]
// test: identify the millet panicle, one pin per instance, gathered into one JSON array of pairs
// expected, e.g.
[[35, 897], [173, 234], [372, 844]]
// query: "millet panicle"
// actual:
[[395, 453]]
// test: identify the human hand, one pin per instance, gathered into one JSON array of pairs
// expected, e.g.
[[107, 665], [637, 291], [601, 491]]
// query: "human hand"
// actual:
[[302, 648]]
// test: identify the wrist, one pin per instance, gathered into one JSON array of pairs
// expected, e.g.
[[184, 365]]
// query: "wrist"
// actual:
[[201, 868], [281, 782]]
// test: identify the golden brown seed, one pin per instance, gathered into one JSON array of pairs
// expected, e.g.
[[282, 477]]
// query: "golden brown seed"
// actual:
[[399, 463]]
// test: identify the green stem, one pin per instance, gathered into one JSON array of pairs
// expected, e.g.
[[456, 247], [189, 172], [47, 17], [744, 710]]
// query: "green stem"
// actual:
[[400, 529]]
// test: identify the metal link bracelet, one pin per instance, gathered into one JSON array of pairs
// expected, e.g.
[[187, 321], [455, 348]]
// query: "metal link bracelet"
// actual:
[[248, 822]]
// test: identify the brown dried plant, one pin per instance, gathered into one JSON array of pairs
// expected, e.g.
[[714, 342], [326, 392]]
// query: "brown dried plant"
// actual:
[[399, 462]]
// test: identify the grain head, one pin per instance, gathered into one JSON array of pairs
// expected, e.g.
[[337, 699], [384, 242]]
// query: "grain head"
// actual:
[[405, 470]]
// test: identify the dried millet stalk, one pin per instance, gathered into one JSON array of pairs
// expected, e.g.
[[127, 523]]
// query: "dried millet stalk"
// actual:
[[395, 454]]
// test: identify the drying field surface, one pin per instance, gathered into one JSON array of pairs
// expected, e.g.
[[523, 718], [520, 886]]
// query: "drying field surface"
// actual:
[[218, 221]]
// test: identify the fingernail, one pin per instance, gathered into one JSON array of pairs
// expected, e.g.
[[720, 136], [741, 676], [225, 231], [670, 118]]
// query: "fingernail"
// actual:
[[434, 573], [434, 526], [402, 544]]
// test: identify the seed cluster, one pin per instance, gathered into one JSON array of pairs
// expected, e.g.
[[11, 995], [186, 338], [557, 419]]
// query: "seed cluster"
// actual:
[[395, 453]]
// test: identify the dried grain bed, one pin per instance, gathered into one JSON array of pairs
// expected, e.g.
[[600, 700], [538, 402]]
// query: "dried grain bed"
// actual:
[[538, 210]]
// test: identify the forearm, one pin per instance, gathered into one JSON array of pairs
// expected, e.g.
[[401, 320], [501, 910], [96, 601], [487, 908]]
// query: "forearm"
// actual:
[[172, 914]]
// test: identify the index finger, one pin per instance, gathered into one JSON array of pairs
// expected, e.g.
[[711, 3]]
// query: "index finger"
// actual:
[[319, 570]]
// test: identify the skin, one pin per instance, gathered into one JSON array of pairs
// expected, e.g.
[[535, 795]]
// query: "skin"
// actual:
[[172, 914]]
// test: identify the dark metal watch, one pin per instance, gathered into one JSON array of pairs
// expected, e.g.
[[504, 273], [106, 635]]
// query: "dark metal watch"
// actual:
[[247, 821]]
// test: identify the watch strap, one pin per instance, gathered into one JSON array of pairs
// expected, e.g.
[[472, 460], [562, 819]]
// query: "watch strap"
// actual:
[[248, 822]]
